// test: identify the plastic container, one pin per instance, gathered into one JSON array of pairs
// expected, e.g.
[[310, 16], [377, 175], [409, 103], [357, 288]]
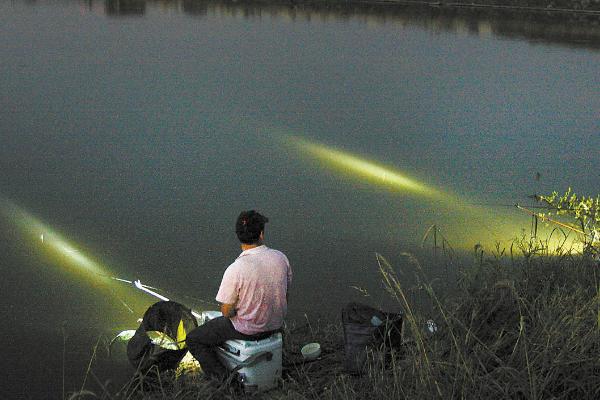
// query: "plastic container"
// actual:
[[311, 351], [258, 362]]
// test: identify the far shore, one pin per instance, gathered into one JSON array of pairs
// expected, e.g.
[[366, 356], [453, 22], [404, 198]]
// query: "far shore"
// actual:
[[546, 6], [571, 23]]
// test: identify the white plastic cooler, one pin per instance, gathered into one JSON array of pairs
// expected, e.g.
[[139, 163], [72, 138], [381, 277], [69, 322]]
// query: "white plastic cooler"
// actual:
[[257, 362]]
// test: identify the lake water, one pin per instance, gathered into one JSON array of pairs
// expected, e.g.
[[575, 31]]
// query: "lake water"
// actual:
[[138, 130]]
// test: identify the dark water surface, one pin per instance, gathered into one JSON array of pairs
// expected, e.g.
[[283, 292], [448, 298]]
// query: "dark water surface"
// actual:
[[138, 131]]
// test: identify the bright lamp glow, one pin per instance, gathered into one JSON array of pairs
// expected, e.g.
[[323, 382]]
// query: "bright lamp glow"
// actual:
[[69, 257], [362, 168], [49, 240], [464, 222]]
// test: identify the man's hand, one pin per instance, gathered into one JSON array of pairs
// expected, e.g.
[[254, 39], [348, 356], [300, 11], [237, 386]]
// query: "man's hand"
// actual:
[[228, 310]]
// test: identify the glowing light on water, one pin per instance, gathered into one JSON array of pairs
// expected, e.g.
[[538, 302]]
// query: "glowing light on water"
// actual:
[[466, 222], [356, 166], [51, 241], [67, 255]]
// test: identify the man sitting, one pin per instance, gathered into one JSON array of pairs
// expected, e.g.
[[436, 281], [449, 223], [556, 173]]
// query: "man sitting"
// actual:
[[253, 296]]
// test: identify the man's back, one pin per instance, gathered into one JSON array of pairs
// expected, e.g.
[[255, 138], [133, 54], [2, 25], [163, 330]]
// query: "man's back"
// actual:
[[257, 283]]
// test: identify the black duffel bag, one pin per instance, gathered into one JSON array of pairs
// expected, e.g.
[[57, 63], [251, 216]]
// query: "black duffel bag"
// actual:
[[167, 317], [367, 328]]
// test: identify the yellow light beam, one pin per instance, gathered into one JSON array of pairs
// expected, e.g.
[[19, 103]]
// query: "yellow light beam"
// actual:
[[68, 256], [49, 240], [353, 165], [470, 223]]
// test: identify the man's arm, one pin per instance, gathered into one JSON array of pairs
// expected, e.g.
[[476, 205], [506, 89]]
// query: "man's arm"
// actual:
[[228, 292], [289, 281], [228, 310]]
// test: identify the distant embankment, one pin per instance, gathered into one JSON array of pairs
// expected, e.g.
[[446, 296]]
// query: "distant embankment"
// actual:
[[564, 6], [573, 23]]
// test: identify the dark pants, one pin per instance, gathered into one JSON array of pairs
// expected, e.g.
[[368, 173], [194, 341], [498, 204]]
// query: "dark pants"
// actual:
[[202, 342]]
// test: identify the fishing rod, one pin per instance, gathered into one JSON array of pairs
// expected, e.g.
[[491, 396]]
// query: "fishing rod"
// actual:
[[138, 284], [545, 218], [126, 335], [150, 290], [535, 197], [153, 291], [145, 288], [508, 205], [55, 242]]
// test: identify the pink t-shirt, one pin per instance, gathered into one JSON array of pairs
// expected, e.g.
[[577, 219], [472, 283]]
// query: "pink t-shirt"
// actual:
[[257, 284]]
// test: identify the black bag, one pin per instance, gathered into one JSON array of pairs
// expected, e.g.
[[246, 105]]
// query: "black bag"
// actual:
[[166, 317], [367, 328]]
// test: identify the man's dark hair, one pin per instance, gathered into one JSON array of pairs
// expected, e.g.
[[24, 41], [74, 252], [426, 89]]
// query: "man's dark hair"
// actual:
[[249, 225]]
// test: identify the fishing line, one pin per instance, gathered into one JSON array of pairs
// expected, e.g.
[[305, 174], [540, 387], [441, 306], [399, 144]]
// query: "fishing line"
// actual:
[[480, 220], [151, 290], [114, 293], [535, 216], [138, 284]]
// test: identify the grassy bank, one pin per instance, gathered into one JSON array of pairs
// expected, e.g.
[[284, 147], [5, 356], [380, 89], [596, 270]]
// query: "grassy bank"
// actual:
[[518, 326]]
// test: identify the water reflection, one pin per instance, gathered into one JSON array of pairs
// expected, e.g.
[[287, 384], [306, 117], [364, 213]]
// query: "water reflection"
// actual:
[[125, 7], [574, 30], [194, 7]]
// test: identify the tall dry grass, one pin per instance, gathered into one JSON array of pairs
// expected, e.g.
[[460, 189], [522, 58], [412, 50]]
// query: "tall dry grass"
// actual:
[[519, 324]]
